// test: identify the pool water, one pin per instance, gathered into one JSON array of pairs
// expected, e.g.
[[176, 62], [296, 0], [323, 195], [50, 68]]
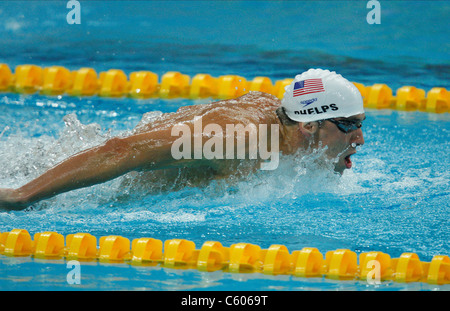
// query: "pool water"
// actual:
[[394, 199]]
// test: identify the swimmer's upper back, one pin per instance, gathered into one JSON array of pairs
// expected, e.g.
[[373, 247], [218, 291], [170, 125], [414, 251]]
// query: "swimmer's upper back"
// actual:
[[254, 107]]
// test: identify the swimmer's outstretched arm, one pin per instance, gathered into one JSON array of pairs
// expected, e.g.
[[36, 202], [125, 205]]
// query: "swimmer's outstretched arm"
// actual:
[[116, 157]]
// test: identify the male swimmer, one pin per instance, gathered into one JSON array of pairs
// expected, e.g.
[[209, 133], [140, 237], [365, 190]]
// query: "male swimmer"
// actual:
[[319, 109]]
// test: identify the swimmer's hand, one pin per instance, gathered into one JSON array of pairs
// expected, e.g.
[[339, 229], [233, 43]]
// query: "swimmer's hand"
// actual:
[[10, 200]]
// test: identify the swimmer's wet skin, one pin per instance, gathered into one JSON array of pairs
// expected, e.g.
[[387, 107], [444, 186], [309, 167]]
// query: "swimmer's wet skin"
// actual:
[[319, 109]]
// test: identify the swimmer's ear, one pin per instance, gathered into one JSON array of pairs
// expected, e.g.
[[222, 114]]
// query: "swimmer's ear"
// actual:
[[309, 128]]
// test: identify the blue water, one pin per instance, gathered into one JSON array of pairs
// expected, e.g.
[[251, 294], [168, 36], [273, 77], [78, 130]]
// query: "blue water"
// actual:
[[395, 199]]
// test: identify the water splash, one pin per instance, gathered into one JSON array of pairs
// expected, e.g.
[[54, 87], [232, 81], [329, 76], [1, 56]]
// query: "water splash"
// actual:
[[25, 158], [298, 174]]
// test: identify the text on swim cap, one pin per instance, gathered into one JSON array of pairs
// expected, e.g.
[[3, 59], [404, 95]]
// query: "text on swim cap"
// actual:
[[317, 110]]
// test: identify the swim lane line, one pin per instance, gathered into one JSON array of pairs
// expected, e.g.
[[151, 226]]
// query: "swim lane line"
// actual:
[[341, 264], [58, 80]]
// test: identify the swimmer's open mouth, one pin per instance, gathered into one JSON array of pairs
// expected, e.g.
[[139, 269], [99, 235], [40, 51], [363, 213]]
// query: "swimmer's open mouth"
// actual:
[[348, 161]]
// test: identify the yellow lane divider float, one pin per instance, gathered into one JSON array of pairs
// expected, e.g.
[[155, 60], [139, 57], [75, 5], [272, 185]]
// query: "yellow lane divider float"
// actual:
[[57, 80], [339, 264]]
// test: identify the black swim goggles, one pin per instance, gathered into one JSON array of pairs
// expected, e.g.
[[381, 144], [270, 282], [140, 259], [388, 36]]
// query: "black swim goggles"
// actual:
[[346, 126]]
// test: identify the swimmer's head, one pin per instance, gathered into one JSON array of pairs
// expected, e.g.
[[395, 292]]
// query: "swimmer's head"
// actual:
[[322, 109], [319, 94]]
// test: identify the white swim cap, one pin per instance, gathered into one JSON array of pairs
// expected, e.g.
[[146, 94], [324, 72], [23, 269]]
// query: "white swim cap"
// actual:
[[319, 94]]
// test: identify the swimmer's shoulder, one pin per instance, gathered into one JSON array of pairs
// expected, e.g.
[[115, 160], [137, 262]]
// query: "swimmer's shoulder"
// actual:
[[253, 107], [253, 98], [259, 98]]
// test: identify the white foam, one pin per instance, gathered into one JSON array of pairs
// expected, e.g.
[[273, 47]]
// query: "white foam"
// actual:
[[25, 158]]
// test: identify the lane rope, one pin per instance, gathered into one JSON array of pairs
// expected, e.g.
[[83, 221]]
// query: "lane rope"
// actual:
[[58, 80], [341, 264]]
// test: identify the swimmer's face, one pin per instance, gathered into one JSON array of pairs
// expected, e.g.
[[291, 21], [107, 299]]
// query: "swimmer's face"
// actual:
[[340, 143]]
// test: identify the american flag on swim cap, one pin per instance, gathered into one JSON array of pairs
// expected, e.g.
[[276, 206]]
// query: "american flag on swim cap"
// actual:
[[308, 86]]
